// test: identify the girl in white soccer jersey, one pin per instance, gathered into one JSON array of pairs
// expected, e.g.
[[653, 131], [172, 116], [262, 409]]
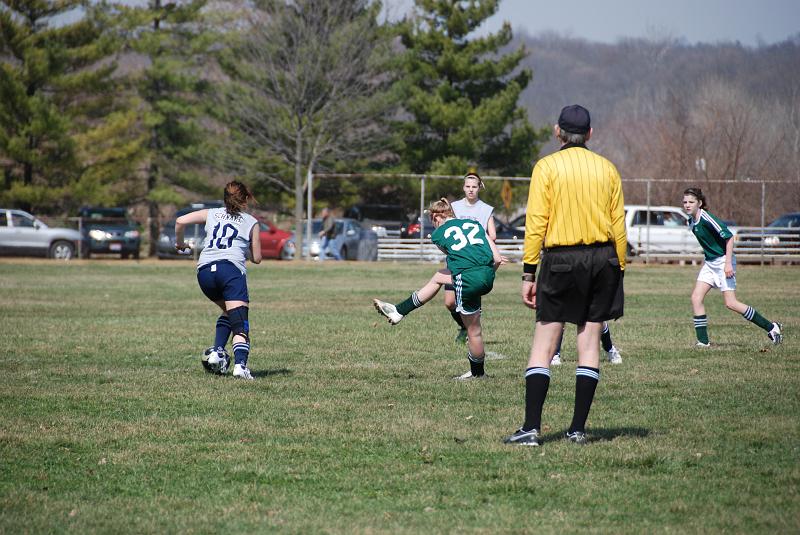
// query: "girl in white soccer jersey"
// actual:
[[470, 207], [231, 237], [719, 269], [471, 262]]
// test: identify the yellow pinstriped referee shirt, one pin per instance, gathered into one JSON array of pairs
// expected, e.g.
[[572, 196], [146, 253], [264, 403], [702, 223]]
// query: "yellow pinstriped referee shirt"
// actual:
[[575, 198]]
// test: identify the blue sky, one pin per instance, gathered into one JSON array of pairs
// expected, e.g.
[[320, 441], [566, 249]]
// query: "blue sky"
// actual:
[[707, 21]]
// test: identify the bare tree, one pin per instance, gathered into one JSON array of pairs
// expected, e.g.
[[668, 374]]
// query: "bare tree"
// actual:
[[308, 85]]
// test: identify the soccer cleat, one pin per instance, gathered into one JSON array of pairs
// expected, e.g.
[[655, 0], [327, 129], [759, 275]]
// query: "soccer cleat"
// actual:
[[578, 437], [242, 372], [613, 356], [461, 337], [556, 360], [775, 334], [388, 310], [523, 438], [700, 344], [469, 377]]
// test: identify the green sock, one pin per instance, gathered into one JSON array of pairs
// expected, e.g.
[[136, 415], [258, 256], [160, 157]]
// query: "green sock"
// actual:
[[701, 328], [409, 304], [751, 314]]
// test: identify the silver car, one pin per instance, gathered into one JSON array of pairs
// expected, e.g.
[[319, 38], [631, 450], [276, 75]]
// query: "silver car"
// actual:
[[23, 234]]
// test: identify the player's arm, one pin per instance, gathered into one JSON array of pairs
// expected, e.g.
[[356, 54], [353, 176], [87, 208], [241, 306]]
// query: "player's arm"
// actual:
[[491, 231], [255, 244], [729, 258], [618, 219], [191, 218]]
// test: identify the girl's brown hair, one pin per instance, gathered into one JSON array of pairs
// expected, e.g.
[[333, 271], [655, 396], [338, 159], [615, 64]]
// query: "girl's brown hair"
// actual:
[[441, 207], [237, 197], [698, 194]]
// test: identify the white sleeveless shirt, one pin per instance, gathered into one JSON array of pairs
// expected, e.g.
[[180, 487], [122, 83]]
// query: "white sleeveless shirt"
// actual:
[[480, 211], [227, 238]]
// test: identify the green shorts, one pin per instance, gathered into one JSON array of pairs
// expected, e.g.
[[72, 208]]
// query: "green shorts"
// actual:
[[470, 285]]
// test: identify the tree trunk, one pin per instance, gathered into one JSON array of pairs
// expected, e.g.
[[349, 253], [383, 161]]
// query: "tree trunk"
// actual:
[[152, 207], [298, 195]]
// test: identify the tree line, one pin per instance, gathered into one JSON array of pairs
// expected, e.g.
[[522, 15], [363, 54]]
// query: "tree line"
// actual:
[[117, 103]]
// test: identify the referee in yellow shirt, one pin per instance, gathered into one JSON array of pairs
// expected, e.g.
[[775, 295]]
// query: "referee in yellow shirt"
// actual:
[[575, 215]]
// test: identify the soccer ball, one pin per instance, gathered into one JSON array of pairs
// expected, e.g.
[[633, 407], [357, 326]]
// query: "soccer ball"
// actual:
[[216, 360]]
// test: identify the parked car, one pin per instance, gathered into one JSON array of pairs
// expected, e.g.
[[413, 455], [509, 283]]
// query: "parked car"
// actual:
[[193, 234], [384, 219], [23, 234], [110, 231], [504, 231], [668, 231], [275, 243], [354, 241], [783, 233]]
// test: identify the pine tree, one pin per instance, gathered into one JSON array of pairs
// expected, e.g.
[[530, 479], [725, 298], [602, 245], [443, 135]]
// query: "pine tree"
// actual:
[[51, 76], [172, 90], [462, 93]]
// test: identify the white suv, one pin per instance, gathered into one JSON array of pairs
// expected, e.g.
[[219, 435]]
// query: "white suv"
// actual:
[[667, 232], [23, 234]]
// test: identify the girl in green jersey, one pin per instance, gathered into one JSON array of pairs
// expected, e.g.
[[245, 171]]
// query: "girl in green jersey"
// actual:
[[472, 259]]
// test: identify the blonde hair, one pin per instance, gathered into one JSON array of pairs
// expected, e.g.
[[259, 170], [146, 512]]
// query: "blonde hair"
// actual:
[[237, 196], [441, 207]]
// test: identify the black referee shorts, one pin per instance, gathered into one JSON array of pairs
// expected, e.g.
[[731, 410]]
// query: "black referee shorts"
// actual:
[[579, 283]]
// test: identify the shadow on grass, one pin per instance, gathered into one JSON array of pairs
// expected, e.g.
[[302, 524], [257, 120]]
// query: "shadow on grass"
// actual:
[[269, 373], [602, 434]]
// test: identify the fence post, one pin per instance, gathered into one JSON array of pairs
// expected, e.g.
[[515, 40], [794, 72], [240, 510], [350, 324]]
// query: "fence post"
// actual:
[[647, 252], [421, 218], [763, 195], [309, 197]]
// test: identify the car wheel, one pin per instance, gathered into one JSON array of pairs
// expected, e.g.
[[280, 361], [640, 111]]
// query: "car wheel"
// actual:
[[124, 256], [287, 252], [136, 255], [62, 250], [630, 251], [343, 252]]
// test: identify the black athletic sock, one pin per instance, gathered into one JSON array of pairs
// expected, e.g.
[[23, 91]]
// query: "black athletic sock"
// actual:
[[475, 364], [223, 331], [586, 380], [537, 381], [605, 338], [457, 319]]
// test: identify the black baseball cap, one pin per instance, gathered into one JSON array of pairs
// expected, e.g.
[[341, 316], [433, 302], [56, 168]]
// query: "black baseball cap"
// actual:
[[574, 119]]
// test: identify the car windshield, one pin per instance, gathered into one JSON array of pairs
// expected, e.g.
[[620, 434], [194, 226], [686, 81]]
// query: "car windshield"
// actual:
[[785, 222], [104, 213]]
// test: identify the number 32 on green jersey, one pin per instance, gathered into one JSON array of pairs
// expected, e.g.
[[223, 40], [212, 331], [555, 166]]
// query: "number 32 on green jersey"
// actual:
[[461, 238]]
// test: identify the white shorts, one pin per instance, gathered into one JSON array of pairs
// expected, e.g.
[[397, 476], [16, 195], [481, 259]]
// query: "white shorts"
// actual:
[[713, 274]]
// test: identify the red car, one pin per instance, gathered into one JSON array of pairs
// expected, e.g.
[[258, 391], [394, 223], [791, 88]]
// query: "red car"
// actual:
[[275, 243]]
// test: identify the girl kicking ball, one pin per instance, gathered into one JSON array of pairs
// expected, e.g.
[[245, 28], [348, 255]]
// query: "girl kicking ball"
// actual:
[[472, 259], [719, 269]]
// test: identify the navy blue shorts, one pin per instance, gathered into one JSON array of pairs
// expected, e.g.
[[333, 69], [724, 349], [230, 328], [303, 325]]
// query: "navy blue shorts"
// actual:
[[222, 281]]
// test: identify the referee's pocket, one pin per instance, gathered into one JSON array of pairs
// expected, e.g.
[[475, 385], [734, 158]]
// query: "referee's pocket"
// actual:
[[560, 280]]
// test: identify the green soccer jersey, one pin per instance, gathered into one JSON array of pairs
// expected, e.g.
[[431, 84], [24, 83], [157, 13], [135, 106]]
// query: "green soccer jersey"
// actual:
[[465, 243], [711, 233]]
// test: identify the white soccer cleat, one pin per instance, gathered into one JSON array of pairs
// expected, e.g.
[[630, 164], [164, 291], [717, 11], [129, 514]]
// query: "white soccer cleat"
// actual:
[[613, 356], [775, 334], [556, 360], [700, 344], [388, 310], [242, 372]]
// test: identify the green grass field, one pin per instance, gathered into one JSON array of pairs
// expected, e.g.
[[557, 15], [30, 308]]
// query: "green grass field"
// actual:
[[353, 426]]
